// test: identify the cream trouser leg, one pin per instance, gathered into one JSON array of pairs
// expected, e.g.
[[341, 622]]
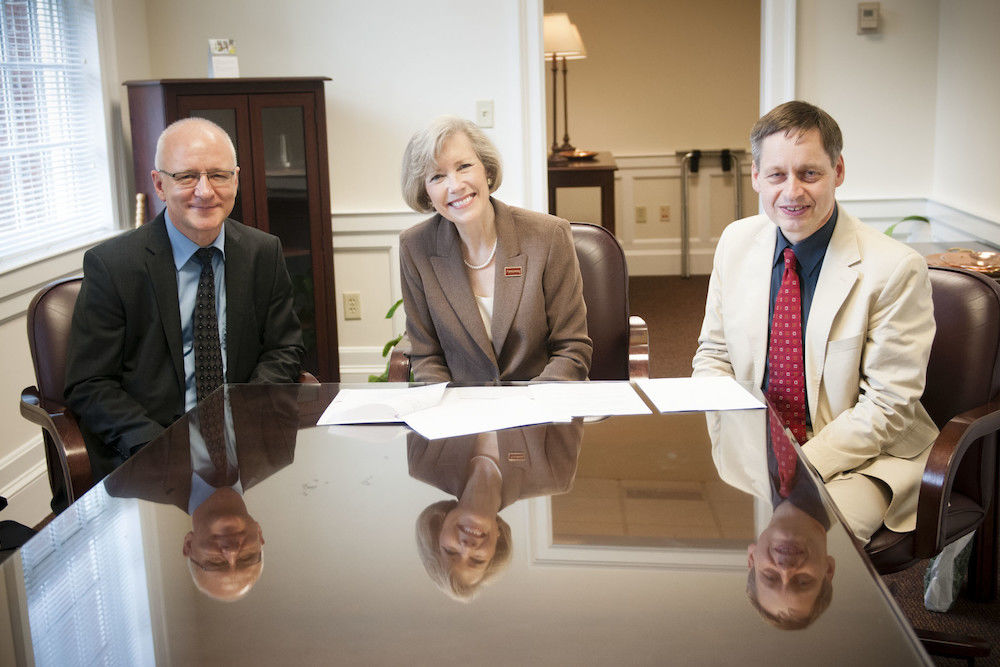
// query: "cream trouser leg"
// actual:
[[862, 501]]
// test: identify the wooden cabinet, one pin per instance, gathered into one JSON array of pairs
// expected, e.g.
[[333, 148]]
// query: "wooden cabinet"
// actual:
[[279, 129]]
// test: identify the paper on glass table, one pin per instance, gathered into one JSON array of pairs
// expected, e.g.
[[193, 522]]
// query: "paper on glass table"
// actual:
[[590, 399], [462, 415], [380, 406], [688, 394]]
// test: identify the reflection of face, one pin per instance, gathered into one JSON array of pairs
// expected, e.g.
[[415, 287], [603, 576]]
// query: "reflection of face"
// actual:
[[225, 545], [796, 182], [791, 562], [467, 544], [196, 212], [457, 183]]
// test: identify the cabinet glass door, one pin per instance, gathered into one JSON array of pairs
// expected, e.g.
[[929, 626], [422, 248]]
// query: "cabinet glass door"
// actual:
[[286, 204], [230, 112]]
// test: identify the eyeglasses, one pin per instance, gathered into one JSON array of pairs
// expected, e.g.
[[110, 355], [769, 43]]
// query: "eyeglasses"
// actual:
[[217, 178], [218, 564]]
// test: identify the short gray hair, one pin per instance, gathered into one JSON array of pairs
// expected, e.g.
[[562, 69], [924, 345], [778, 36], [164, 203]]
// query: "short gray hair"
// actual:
[[196, 121], [424, 148], [428, 533]]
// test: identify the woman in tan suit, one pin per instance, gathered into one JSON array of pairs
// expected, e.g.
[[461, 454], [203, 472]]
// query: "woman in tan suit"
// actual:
[[491, 292]]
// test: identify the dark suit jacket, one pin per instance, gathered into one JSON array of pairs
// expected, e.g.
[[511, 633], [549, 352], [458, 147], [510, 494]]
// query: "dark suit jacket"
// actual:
[[265, 431], [125, 368], [539, 317]]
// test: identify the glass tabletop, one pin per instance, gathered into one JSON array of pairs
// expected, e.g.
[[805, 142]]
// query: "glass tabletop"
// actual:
[[619, 540]]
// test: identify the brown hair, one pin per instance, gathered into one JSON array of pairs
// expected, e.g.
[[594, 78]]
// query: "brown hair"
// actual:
[[787, 622], [797, 117]]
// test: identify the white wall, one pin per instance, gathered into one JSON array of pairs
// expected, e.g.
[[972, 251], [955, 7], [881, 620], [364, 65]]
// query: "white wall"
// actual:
[[917, 104], [880, 88], [967, 130], [394, 65]]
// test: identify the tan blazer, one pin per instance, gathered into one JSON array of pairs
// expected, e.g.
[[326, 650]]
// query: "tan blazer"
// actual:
[[538, 460], [539, 318], [868, 339]]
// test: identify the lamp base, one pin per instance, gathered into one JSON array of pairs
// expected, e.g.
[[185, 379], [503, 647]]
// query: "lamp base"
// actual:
[[557, 159], [566, 146]]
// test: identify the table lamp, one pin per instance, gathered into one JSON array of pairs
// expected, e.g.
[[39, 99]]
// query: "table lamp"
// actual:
[[562, 42]]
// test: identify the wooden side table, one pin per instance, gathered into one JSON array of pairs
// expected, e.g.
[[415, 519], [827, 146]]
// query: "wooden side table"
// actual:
[[599, 172]]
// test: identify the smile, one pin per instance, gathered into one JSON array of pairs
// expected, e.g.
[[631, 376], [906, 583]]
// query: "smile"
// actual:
[[463, 202], [474, 532], [793, 210]]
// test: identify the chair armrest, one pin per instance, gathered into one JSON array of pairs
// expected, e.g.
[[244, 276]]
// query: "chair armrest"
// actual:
[[305, 377], [64, 431], [638, 348], [942, 466], [399, 365]]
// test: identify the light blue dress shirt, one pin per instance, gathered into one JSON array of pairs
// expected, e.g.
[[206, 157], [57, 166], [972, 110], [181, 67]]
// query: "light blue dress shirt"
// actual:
[[188, 274]]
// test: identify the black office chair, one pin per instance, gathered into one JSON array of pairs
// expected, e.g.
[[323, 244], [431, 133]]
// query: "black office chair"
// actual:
[[957, 494], [49, 316]]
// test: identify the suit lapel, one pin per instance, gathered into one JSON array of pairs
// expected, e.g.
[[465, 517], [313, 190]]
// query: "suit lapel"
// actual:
[[836, 279], [163, 277], [448, 268], [239, 268], [510, 268], [758, 292]]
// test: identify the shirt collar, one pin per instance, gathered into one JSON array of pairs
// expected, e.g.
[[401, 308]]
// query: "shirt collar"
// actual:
[[809, 252], [183, 248]]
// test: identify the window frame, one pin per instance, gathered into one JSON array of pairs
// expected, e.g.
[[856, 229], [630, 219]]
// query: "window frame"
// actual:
[[19, 283]]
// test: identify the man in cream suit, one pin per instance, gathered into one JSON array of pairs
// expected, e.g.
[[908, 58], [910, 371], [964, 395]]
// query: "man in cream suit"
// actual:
[[867, 321]]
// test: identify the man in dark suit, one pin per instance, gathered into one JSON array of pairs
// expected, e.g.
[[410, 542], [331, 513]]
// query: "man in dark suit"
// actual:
[[225, 545], [130, 368]]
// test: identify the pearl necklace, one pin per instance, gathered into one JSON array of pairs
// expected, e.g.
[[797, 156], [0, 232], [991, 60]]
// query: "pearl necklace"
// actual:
[[489, 260]]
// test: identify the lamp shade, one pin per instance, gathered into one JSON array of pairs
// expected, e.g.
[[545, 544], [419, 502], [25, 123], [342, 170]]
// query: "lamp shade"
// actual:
[[562, 38]]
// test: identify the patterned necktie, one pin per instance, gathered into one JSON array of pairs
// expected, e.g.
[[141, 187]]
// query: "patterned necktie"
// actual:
[[208, 366], [786, 384], [784, 454], [205, 323]]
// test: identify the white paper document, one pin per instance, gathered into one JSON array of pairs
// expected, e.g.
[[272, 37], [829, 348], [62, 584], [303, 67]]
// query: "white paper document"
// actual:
[[590, 399], [462, 416], [687, 394], [435, 411], [380, 406]]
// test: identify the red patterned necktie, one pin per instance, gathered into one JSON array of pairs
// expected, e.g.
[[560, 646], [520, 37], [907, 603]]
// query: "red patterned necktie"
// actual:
[[784, 454], [786, 384]]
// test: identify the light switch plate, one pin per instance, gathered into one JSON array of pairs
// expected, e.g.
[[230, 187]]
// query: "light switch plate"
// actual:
[[484, 113]]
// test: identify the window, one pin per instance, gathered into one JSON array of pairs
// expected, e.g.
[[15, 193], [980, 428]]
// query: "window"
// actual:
[[85, 586], [54, 183]]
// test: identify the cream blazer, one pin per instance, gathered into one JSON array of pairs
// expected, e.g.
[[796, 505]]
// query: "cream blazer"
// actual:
[[868, 339], [539, 323]]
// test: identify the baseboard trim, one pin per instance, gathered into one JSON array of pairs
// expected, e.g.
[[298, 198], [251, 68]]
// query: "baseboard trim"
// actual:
[[24, 482]]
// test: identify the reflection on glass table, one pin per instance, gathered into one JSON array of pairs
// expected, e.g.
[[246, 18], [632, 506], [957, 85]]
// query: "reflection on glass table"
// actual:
[[345, 579], [464, 544]]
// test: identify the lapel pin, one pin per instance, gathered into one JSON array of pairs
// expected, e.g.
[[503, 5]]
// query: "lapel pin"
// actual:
[[512, 271]]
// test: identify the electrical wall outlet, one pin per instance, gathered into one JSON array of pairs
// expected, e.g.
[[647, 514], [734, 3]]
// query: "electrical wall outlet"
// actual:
[[665, 214], [352, 305], [640, 215]]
